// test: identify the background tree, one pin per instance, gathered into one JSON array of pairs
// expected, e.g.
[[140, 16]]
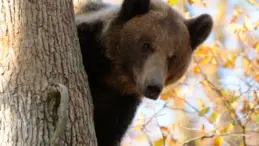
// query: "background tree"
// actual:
[[44, 96]]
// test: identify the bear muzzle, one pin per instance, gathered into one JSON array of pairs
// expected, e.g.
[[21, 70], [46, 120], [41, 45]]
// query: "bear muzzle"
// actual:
[[152, 91]]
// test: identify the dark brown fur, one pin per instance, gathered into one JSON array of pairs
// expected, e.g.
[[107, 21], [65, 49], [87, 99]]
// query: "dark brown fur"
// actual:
[[134, 51]]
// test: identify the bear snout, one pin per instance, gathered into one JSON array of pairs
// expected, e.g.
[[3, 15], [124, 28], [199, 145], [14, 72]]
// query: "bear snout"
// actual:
[[152, 91]]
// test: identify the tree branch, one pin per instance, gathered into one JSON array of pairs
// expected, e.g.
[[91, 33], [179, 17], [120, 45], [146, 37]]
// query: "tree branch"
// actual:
[[213, 135]]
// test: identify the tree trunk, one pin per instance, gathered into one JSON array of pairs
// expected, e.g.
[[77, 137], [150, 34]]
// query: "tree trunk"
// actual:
[[40, 57]]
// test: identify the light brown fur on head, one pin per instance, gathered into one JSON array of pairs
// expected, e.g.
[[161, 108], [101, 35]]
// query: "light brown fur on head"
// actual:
[[153, 48]]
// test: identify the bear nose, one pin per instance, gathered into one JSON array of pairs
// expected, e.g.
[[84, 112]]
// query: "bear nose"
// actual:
[[153, 91]]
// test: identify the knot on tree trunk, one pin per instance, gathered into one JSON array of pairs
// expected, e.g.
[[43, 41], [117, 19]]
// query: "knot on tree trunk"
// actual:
[[59, 94]]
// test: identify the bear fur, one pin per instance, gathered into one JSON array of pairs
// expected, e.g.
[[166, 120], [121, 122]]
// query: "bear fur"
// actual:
[[132, 51]]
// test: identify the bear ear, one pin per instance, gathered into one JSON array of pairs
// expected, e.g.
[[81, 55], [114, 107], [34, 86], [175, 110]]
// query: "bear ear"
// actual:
[[131, 8], [199, 29]]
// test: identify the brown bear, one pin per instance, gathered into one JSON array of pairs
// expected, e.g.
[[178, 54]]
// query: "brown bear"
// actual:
[[132, 51]]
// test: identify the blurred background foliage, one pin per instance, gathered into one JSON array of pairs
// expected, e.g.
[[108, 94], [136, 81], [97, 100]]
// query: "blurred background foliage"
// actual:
[[216, 103]]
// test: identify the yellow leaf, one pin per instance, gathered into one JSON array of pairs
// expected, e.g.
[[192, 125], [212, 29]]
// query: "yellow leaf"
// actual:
[[256, 46], [233, 101], [248, 23], [213, 117], [256, 78], [234, 104], [230, 127], [245, 107], [190, 2], [200, 3], [205, 84], [237, 13], [171, 127], [141, 137], [224, 93], [196, 70], [251, 105], [172, 142], [255, 118], [165, 131], [233, 115], [164, 97], [172, 2], [223, 130], [187, 15], [217, 141], [234, 28], [159, 142], [139, 124], [179, 102], [202, 51], [247, 66], [230, 63], [201, 104], [177, 91], [168, 92], [206, 60], [254, 3], [227, 129], [214, 61], [242, 36], [234, 98], [204, 111], [256, 25]]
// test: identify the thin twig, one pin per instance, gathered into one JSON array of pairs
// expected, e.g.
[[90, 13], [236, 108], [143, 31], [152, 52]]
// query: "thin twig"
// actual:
[[212, 136]]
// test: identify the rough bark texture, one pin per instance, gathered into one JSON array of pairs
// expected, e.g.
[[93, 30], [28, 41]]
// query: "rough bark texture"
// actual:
[[78, 2], [39, 46]]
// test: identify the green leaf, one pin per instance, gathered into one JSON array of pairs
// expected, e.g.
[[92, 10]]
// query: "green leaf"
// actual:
[[204, 111]]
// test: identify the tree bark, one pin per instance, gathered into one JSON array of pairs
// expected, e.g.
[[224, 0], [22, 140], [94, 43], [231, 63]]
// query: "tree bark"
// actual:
[[40, 57]]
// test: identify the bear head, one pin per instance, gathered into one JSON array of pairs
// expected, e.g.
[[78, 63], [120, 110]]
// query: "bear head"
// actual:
[[151, 45]]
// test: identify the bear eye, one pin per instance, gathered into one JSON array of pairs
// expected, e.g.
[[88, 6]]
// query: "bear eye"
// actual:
[[173, 58], [147, 48]]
